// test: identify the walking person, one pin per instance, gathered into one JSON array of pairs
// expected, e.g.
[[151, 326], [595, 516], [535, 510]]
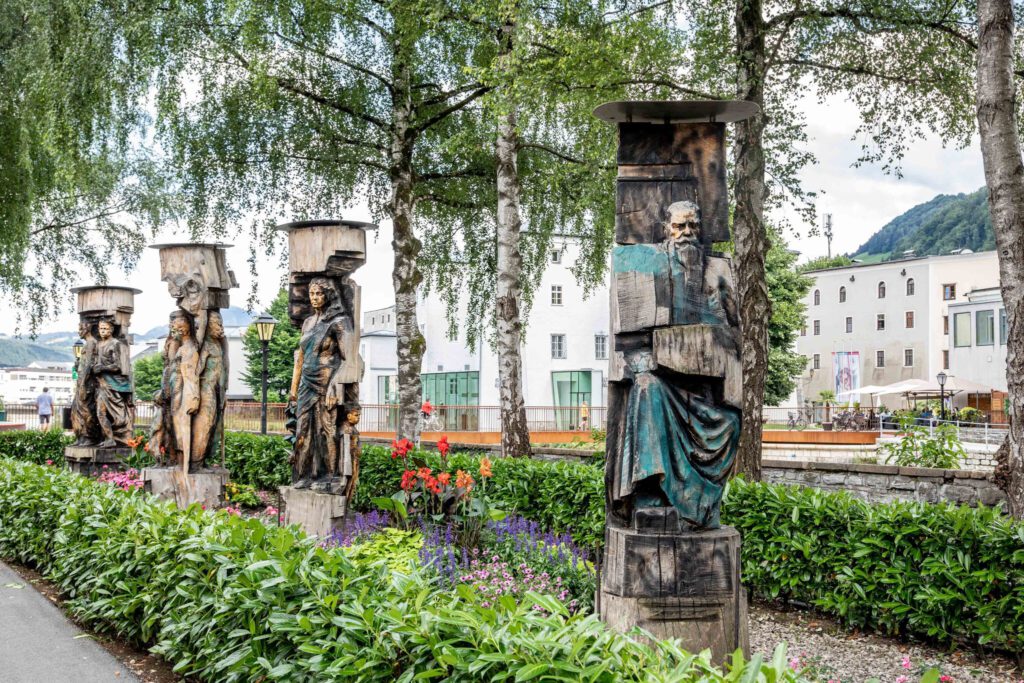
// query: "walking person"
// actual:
[[44, 407], [584, 416]]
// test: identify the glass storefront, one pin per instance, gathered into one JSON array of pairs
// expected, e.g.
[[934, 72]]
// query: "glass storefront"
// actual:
[[570, 389]]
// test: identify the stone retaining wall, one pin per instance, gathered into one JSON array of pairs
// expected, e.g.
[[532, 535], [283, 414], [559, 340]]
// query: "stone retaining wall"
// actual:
[[885, 483]]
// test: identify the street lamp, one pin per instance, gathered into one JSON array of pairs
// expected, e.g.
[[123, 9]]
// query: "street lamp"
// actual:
[[264, 330], [77, 349], [941, 378]]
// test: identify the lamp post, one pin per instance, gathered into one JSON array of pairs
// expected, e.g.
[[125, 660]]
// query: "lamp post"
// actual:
[[264, 330], [941, 378], [77, 349]]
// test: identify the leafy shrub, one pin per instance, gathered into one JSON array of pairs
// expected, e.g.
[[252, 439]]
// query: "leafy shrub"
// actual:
[[230, 599], [33, 445], [560, 496], [242, 495], [256, 460], [918, 446], [946, 572]]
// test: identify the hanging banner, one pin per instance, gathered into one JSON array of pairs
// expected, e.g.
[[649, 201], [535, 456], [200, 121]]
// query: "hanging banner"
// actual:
[[846, 366]]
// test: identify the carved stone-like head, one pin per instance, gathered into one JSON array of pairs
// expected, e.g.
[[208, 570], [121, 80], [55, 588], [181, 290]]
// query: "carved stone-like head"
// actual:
[[215, 325], [181, 326], [105, 329], [188, 291], [353, 416], [322, 294], [683, 224], [83, 329]]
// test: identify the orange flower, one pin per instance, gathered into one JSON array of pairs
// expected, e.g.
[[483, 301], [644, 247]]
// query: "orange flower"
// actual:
[[445, 478], [423, 473], [485, 467], [463, 480], [134, 443]]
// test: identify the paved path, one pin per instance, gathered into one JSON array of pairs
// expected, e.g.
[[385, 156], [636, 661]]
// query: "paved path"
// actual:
[[38, 644]]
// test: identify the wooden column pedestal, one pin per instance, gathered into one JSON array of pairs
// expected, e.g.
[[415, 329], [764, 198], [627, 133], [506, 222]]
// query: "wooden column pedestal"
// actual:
[[676, 584], [170, 483], [318, 513], [90, 460]]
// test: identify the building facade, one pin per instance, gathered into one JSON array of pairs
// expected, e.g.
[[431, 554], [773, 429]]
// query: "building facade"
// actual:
[[565, 350], [23, 385], [876, 324], [977, 338]]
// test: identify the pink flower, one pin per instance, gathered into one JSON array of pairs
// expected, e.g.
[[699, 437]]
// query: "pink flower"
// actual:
[[902, 679], [906, 662], [945, 679], [794, 663], [49, 462]]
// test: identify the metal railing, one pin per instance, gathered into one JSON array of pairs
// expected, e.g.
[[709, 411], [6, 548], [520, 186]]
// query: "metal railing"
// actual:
[[245, 416]]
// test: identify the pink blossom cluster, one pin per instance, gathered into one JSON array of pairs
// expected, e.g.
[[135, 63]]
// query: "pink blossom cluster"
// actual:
[[272, 514], [128, 480], [233, 510], [495, 578]]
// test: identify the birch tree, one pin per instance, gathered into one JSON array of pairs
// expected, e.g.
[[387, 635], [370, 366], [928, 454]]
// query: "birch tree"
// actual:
[[905, 66], [1004, 175], [300, 109]]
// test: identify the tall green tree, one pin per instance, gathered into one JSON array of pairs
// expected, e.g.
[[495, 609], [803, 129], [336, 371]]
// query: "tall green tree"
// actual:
[[300, 109], [78, 195], [787, 287], [280, 354], [998, 122], [555, 162], [148, 372], [904, 64]]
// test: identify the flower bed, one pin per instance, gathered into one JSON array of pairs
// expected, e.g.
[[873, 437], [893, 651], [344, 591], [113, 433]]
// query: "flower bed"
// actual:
[[232, 599]]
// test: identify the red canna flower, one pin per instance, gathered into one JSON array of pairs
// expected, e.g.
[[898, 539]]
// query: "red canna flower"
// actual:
[[445, 478], [442, 446], [423, 473], [400, 449], [408, 480]]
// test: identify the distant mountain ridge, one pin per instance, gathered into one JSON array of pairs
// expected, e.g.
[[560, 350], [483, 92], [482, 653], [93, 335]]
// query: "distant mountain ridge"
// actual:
[[938, 226]]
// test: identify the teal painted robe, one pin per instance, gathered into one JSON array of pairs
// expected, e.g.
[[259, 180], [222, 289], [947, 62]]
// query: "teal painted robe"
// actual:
[[674, 436]]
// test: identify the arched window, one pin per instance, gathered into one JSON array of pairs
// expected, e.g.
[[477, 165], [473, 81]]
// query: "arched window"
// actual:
[[817, 297], [910, 286], [842, 294], [881, 290]]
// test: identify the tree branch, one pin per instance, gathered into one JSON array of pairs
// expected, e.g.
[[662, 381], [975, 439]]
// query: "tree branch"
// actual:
[[444, 113], [338, 60]]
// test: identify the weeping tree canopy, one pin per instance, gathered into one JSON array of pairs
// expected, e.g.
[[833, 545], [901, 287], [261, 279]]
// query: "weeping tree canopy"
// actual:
[[565, 58], [78, 194]]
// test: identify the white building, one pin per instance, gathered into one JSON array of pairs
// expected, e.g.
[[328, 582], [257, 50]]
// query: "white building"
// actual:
[[565, 350], [22, 385], [977, 341], [876, 324]]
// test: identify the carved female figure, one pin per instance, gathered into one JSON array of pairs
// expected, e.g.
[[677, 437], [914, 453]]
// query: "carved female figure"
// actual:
[[83, 405], [212, 389], [115, 410], [315, 387], [161, 438], [184, 387]]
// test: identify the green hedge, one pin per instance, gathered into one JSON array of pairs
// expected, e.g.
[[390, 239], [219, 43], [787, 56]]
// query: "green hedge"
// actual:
[[944, 572], [32, 445], [230, 599]]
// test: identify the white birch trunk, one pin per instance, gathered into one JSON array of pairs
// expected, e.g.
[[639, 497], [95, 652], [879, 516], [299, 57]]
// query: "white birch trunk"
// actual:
[[1004, 176]]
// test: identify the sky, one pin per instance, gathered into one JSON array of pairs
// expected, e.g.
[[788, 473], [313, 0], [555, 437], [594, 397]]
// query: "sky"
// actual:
[[861, 201]]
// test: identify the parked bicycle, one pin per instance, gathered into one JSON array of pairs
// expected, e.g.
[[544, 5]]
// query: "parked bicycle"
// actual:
[[798, 420]]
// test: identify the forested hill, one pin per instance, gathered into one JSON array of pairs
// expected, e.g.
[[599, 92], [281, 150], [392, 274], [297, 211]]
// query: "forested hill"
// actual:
[[938, 226]]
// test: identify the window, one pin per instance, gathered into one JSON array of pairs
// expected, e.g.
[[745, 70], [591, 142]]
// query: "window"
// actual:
[[601, 346], [879, 359], [556, 295], [803, 331], [948, 292], [962, 329], [558, 346], [569, 390], [881, 290], [880, 321], [910, 286], [817, 327], [908, 358], [984, 328], [909, 320], [816, 361], [945, 360], [817, 297], [849, 325], [842, 294], [1002, 326], [556, 256], [945, 324]]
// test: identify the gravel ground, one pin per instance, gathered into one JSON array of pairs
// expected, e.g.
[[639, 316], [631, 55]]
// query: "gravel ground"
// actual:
[[831, 652]]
